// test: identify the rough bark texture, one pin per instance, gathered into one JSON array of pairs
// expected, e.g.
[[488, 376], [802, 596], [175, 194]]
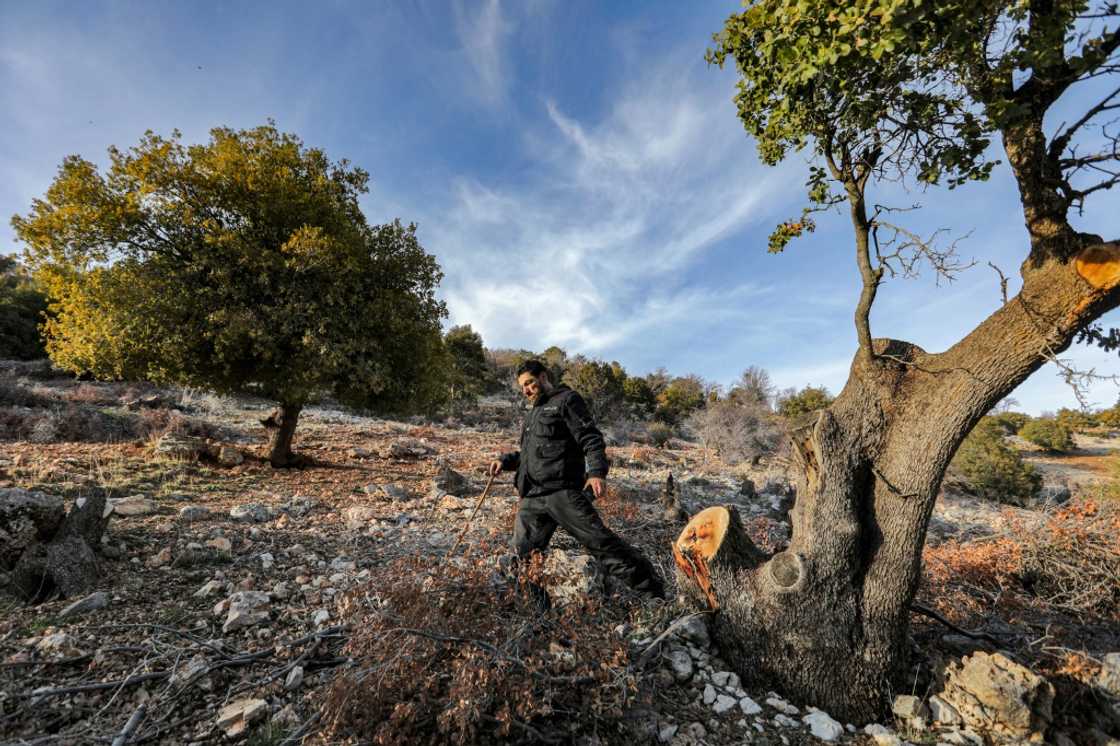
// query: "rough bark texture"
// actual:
[[826, 619], [64, 562], [285, 419], [25, 518]]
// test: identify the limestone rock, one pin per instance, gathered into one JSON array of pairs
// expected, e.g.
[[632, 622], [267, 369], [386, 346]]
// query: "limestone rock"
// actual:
[[943, 712], [724, 704], [295, 679], [192, 513], [409, 448], [569, 577], [237, 716], [221, 543], [359, 516], [1109, 678], [251, 513], [999, 697], [909, 707], [695, 631], [246, 608], [450, 481], [680, 663], [133, 505], [823, 726], [92, 602], [749, 706]]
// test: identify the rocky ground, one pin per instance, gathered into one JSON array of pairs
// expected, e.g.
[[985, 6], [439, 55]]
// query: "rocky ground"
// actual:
[[229, 589]]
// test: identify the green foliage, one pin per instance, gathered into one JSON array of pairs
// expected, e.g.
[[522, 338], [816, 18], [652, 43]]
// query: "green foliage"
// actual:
[[639, 397], [660, 433], [600, 384], [556, 360], [992, 468], [1011, 422], [22, 309], [242, 264], [1076, 420], [1048, 434], [1109, 417], [793, 403], [682, 396], [468, 370]]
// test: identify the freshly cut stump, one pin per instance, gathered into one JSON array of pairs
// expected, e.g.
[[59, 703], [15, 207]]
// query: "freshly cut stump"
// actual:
[[710, 551]]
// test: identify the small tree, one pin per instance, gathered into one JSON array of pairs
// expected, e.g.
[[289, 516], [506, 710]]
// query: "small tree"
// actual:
[[639, 397], [738, 430], [792, 403], [468, 371], [22, 309], [1011, 422], [1048, 434], [681, 397], [1075, 420], [243, 264], [754, 385], [992, 468], [600, 383]]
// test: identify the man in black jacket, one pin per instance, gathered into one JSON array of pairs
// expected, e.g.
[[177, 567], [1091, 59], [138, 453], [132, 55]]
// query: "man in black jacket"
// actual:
[[561, 467]]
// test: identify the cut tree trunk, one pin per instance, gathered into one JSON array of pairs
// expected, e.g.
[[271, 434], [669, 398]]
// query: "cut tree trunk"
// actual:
[[63, 561], [284, 419], [826, 619]]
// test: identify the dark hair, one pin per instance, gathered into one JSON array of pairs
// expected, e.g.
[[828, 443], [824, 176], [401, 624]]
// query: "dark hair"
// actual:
[[533, 367]]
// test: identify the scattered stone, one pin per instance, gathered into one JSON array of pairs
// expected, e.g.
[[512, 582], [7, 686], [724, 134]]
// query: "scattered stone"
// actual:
[[781, 705], [823, 726], [133, 505], [196, 666], [211, 587], [322, 616], [26, 516], [92, 602], [697, 730], [396, 492], [250, 513], [996, 695], [709, 694], [680, 663], [57, 643], [342, 564], [267, 561], [943, 712], [909, 707], [726, 679], [286, 717], [571, 577], [237, 716], [221, 543], [785, 721], [665, 735], [295, 679], [749, 706], [359, 452], [246, 608], [160, 559], [409, 448], [299, 506], [359, 516], [1054, 494], [724, 704], [280, 591], [191, 513], [695, 631], [450, 481]]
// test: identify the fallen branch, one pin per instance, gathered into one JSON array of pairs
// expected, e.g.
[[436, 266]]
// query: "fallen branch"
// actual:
[[130, 727], [926, 611], [651, 649], [302, 732], [130, 681]]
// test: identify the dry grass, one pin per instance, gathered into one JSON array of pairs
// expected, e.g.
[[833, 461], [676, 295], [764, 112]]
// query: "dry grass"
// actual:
[[454, 654]]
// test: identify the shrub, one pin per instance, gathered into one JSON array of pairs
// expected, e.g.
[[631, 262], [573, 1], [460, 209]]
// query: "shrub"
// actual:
[[992, 468], [737, 429], [682, 396], [1048, 434], [793, 403], [660, 433], [1076, 420], [22, 305], [1011, 422]]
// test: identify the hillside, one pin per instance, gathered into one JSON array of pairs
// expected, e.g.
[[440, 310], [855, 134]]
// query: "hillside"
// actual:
[[244, 603]]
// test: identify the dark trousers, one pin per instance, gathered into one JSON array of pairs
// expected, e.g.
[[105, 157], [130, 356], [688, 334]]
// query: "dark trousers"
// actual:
[[538, 517]]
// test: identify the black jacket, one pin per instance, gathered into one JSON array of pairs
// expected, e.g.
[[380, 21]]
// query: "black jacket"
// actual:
[[560, 446]]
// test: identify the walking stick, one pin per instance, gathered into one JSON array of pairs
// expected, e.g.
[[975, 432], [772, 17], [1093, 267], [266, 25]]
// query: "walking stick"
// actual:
[[478, 505]]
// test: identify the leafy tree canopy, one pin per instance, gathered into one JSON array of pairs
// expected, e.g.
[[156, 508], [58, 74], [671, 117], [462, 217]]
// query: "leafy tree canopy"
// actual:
[[22, 305], [241, 264]]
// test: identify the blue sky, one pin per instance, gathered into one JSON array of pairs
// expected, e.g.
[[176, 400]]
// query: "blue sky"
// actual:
[[576, 167]]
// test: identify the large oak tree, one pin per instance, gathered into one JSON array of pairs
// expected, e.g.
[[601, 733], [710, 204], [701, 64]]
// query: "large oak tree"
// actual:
[[242, 264], [886, 90]]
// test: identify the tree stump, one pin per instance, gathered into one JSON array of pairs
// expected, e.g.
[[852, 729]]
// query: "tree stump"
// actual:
[[710, 551], [62, 559]]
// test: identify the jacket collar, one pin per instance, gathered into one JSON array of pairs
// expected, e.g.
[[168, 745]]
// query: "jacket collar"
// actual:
[[558, 388]]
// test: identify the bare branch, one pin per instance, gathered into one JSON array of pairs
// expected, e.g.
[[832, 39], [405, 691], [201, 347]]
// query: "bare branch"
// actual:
[[1002, 281]]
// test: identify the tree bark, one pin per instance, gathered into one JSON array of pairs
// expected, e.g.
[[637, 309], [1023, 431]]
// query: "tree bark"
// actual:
[[280, 450], [826, 619], [64, 563]]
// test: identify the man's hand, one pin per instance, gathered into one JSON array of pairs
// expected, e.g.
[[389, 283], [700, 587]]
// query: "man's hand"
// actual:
[[495, 468], [597, 485]]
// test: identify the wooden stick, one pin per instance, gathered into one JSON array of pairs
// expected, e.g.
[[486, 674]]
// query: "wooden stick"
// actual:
[[130, 727], [478, 505]]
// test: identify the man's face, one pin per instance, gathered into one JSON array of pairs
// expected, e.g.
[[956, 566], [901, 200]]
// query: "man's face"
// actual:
[[533, 386]]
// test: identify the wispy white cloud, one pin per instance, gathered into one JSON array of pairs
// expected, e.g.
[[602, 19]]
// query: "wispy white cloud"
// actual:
[[482, 30], [589, 250]]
